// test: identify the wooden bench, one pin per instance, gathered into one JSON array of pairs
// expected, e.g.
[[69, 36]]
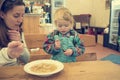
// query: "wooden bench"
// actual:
[[84, 57]]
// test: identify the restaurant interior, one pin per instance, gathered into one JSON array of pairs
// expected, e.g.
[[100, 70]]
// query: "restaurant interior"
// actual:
[[92, 22]]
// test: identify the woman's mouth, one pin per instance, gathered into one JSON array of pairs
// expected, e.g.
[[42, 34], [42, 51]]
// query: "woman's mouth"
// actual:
[[17, 25]]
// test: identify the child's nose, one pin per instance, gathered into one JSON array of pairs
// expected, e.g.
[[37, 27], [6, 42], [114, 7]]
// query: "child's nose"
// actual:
[[63, 27]]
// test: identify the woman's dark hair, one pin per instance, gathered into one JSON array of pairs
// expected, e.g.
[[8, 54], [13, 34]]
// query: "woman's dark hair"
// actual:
[[5, 7]]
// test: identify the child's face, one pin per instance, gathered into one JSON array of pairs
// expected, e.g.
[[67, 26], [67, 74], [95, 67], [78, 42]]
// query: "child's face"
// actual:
[[63, 26]]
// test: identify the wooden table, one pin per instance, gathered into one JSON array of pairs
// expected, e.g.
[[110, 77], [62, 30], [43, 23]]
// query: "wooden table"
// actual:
[[86, 70]]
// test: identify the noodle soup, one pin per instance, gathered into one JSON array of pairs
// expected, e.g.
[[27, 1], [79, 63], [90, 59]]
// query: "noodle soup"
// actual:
[[43, 68]]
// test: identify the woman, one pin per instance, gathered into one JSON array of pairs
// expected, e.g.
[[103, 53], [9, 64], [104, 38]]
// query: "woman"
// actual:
[[12, 51]]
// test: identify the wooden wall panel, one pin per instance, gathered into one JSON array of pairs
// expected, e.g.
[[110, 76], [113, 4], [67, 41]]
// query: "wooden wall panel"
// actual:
[[31, 24]]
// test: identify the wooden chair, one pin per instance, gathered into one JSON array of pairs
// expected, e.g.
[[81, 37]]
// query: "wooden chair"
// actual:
[[39, 57], [34, 41], [87, 57], [84, 20]]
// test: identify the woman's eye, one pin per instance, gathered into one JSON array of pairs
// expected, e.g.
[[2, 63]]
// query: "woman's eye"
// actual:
[[16, 16]]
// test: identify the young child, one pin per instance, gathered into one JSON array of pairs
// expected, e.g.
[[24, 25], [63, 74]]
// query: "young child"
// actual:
[[63, 43]]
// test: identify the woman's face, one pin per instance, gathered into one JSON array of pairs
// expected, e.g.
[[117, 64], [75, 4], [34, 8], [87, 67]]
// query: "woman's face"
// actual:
[[63, 26], [13, 18]]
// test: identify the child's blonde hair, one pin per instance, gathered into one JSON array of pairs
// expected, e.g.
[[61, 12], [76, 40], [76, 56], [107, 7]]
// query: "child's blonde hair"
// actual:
[[63, 14]]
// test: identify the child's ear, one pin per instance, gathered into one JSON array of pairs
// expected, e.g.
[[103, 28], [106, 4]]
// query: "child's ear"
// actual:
[[1, 14]]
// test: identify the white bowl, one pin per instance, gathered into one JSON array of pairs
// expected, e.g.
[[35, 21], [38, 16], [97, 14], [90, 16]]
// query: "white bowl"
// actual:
[[59, 67]]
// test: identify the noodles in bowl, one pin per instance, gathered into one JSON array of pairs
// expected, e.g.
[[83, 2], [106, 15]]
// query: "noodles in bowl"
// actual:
[[43, 68]]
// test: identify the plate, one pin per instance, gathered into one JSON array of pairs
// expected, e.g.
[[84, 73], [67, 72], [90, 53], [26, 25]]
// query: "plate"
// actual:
[[43, 68]]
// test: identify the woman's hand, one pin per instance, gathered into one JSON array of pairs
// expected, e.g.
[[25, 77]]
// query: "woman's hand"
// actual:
[[15, 48], [57, 44], [68, 52], [14, 35]]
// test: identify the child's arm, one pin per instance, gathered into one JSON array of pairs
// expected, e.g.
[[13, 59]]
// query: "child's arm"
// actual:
[[49, 45], [79, 47]]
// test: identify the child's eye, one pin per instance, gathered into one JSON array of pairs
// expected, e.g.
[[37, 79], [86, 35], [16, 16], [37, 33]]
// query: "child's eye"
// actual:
[[59, 25], [66, 25]]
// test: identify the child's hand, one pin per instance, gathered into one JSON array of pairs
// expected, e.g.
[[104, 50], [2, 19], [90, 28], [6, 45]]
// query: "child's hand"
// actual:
[[57, 44], [15, 48], [14, 35], [68, 52]]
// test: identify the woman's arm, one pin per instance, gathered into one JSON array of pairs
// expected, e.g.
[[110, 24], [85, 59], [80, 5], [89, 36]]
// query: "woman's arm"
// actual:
[[9, 55], [25, 56], [4, 58]]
